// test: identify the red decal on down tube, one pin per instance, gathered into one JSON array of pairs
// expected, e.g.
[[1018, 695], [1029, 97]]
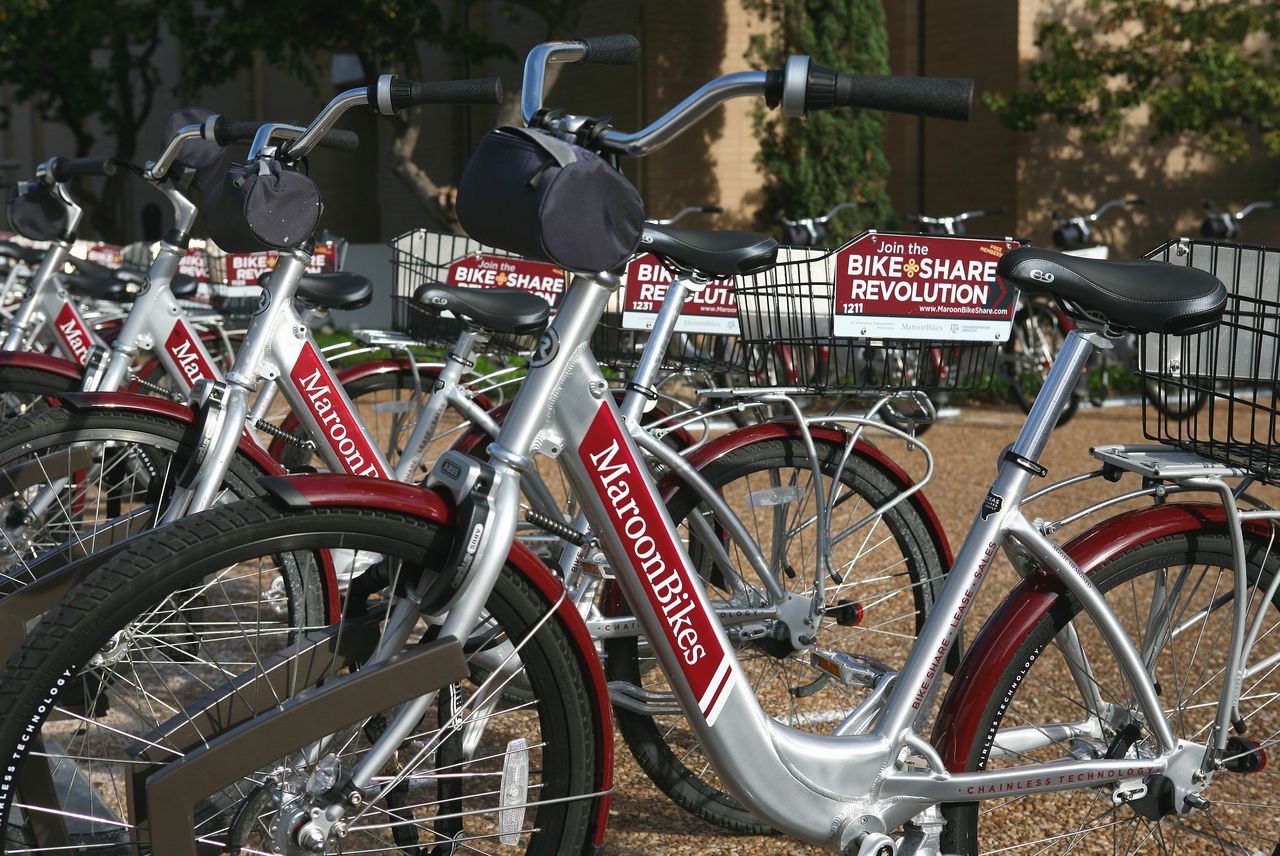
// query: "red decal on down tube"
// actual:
[[668, 583], [75, 336], [183, 347], [320, 391]]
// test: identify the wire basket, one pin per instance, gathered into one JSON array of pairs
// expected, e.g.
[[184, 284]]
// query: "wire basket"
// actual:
[[1214, 393], [786, 315], [422, 256]]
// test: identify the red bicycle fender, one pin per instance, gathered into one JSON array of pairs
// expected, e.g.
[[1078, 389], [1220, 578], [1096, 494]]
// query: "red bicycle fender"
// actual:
[[327, 489], [872, 454], [42, 362], [1005, 630], [133, 402]]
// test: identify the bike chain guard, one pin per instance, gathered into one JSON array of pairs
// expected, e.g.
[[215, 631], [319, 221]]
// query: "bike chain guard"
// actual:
[[469, 483]]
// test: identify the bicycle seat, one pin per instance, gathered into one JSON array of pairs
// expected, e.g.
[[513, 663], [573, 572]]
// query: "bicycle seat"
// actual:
[[503, 310], [714, 254], [1132, 294], [19, 253], [184, 286], [339, 290], [104, 286]]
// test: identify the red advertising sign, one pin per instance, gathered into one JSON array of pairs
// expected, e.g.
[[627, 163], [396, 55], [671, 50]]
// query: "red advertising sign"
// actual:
[[195, 264], [711, 310], [892, 286], [481, 271], [107, 255]]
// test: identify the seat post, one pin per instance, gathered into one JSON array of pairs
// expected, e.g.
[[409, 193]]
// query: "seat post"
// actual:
[[1056, 393], [640, 390]]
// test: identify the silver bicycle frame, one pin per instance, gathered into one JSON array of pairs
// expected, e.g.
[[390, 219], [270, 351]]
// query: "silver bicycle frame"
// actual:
[[826, 789], [47, 302]]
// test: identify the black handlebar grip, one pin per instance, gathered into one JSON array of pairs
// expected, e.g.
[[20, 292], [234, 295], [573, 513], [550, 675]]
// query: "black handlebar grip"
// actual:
[[622, 49], [1137, 200], [65, 170], [992, 212], [226, 132], [938, 97], [483, 90], [710, 209], [340, 141]]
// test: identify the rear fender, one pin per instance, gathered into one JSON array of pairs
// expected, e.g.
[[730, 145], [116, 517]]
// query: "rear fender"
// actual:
[[868, 452], [327, 490], [131, 402], [960, 715], [43, 362]]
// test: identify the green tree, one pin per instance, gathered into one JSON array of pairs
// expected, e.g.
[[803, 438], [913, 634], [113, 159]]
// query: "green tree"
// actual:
[[387, 36], [1207, 68], [91, 68], [811, 165]]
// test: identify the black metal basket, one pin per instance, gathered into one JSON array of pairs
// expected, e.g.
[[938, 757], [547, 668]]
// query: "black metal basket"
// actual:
[[1214, 393], [720, 357], [422, 256], [786, 315]]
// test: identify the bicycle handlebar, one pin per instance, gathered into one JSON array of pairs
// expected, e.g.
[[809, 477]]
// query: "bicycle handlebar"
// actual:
[[954, 218], [688, 209], [826, 217], [798, 87], [825, 88], [61, 169], [388, 97], [622, 49]]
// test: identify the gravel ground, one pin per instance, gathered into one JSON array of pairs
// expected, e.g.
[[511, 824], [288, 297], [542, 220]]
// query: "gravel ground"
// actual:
[[966, 447]]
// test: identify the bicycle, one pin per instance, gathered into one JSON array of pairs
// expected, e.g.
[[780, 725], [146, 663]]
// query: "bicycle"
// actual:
[[953, 224], [812, 231], [570, 726]]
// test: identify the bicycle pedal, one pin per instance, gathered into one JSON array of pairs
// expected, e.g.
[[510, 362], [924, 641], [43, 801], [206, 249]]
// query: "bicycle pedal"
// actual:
[[854, 670]]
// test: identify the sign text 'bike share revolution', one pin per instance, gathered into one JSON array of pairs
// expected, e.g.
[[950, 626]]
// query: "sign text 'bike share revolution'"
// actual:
[[894, 286]]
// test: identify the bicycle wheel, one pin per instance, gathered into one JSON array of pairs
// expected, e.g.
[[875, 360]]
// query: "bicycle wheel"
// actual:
[[477, 752], [1173, 596], [1038, 336], [68, 473], [887, 573], [24, 390]]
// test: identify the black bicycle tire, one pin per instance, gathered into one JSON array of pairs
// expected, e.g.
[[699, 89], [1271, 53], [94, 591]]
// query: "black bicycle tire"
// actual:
[[186, 550]]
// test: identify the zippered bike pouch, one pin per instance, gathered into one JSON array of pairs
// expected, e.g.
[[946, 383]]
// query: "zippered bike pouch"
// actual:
[[264, 205], [528, 192], [37, 212]]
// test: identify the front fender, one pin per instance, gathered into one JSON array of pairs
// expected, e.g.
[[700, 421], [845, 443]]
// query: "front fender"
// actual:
[[133, 402], [869, 453], [961, 713], [43, 362], [328, 489]]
